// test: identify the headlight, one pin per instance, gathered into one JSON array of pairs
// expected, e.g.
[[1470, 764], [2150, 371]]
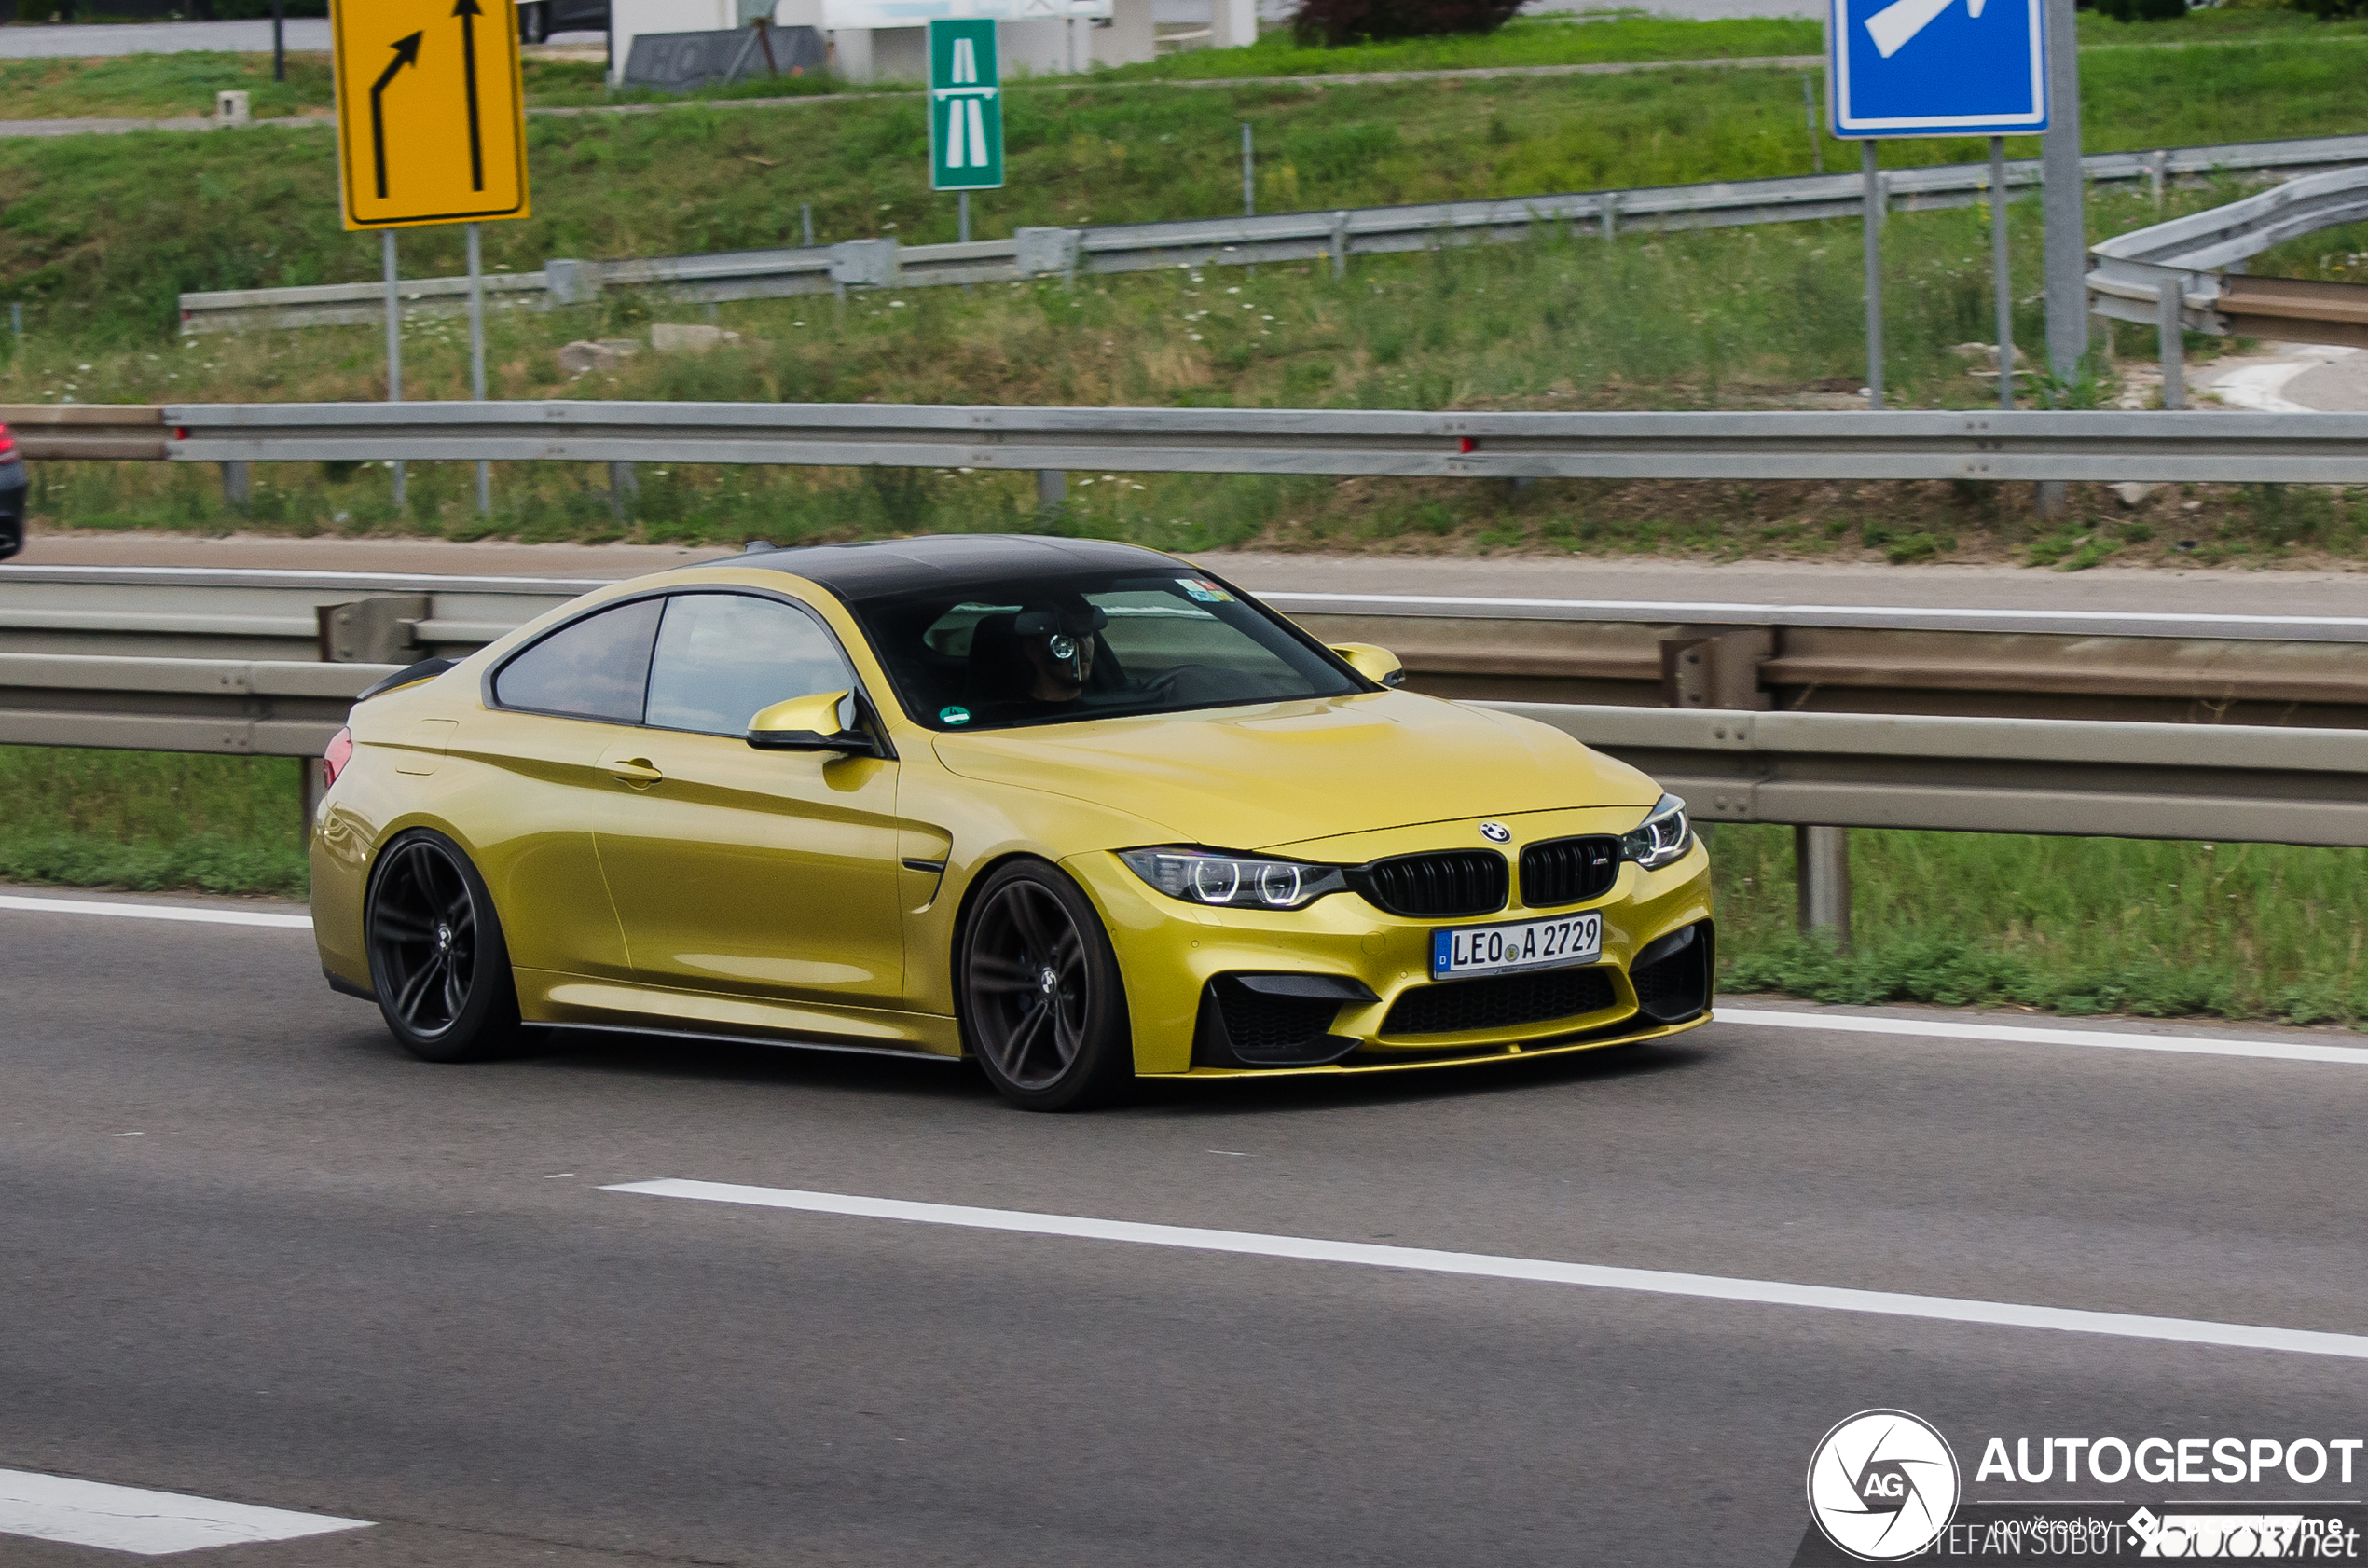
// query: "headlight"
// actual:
[[1663, 837], [1210, 876]]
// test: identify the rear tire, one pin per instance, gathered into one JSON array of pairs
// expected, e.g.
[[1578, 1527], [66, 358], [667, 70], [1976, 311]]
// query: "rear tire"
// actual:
[[1043, 1008], [438, 961]]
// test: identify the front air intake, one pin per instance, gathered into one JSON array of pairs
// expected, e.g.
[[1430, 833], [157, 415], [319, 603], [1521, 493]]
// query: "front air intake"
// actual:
[[1505, 1001]]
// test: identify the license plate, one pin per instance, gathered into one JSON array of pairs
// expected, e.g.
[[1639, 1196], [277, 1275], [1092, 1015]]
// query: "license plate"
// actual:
[[1525, 944]]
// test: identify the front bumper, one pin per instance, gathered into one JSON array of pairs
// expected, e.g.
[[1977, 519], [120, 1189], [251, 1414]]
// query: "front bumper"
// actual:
[[1189, 969]]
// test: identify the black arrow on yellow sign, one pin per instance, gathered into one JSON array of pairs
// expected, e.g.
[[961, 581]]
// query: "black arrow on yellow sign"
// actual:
[[406, 52], [468, 11]]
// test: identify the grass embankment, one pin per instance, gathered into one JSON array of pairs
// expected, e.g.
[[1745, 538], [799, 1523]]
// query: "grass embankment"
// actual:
[[1764, 317], [100, 234], [151, 819], [2071, 926], [2066, 925]]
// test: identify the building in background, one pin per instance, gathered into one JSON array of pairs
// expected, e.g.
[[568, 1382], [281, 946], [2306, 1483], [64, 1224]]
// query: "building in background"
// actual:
[[886, 40]]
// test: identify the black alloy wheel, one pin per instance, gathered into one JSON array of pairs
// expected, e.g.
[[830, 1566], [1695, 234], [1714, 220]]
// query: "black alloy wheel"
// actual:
[[1043, 1009], [438, 961]]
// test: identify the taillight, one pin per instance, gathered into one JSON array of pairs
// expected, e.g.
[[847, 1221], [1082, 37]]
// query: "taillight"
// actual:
[[340, 752], [7, 442]]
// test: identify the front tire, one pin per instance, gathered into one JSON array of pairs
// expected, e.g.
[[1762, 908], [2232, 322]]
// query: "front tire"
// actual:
[[438, 961], [1043, 1008]]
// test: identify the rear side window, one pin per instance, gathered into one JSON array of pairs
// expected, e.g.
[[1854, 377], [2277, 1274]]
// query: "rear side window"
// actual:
[[597, 668], [722, 658]]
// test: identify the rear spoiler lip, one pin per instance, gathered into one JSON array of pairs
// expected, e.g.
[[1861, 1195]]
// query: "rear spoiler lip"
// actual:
[[426, 670]]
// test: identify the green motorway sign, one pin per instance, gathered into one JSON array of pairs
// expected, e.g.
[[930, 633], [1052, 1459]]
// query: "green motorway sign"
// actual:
[[966, 108]]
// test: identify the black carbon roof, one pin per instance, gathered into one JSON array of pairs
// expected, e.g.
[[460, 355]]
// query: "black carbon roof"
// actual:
[[883, 568]]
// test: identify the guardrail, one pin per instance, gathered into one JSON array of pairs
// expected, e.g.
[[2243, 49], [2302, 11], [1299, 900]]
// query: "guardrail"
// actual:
[[2176, 276], [87, 432], [2218, 670], [232, 705], [1336, 235], [2188, 257], [2235, 784], [2319, 448]]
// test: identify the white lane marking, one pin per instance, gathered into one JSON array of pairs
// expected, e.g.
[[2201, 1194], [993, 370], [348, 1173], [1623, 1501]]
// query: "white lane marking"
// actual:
[[129, 1519], [158, 911], [1680, 609], [2019, 1034], [1656, 1282]]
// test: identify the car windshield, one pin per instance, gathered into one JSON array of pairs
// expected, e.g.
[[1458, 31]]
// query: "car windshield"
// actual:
[[1050, 650]]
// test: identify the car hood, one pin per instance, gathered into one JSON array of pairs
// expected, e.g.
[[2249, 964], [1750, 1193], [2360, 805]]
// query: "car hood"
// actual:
[[1282, 773]]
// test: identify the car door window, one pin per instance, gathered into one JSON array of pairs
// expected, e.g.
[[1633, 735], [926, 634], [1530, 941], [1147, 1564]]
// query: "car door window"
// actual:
[[595, 668], [722, 658]]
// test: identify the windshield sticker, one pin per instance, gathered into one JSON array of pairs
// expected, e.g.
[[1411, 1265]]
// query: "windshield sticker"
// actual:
[[1203, 590], [954, 715]]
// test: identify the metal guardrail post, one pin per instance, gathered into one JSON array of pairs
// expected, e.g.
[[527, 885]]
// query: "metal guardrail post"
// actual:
[[311, 787], [2063, 197], [395, 346], [1340, 244], [238, 484], [1052, 488], [1821, 862], [2170, 327], [1039, 252], [1809, 112], [866, 264], [625, 488], [382, 629], [570, 282], [2000, 282], [477, 359], [1871, 221]]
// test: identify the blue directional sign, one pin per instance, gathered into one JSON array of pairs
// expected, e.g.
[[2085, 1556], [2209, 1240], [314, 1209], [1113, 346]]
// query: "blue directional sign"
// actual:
[[1937, 67]]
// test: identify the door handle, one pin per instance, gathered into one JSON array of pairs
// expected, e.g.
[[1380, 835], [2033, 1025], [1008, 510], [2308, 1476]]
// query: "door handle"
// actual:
[[635, 771]]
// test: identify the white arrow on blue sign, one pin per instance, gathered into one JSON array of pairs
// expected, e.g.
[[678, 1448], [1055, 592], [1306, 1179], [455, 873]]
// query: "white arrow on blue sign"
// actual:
[[1937, 67]]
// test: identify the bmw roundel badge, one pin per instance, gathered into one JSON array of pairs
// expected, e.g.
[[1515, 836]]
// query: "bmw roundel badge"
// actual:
[[1496, 833]]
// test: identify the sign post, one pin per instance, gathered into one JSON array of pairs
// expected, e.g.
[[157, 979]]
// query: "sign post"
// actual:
[[966, 110], [431, 129], [1936, 68]]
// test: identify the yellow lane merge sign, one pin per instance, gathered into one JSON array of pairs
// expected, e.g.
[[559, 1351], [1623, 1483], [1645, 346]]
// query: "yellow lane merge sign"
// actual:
[[431, 120]]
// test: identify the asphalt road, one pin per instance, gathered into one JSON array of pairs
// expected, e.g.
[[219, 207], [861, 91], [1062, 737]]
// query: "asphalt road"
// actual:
[[249, 1251], [2153, 590], [90, 41]]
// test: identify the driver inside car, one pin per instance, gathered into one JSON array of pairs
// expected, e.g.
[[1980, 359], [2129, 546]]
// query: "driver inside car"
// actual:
[[1044, 653]]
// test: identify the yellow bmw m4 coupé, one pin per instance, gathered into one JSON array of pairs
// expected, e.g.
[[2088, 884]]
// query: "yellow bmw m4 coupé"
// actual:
[[1079, 811]]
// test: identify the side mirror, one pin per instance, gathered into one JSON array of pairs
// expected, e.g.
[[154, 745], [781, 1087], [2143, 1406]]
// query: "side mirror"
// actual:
[[1372, 661], [808, 723]]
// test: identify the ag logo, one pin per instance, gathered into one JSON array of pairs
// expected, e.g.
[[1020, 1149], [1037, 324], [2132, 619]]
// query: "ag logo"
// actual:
[[1496, 833], [1883, 1485]]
